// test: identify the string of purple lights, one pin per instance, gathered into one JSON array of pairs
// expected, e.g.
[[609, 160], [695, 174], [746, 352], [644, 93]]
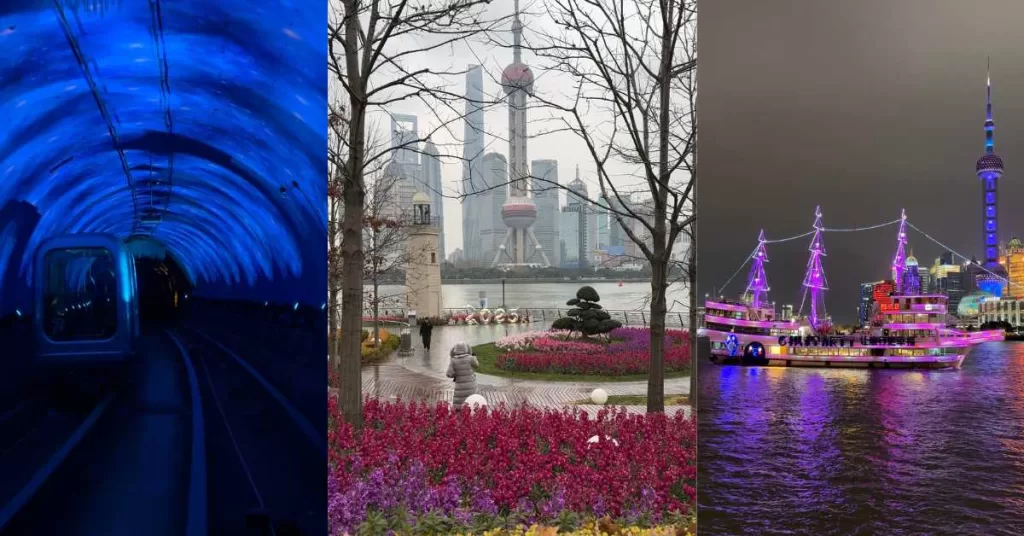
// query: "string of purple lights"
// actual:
[[803, 235]]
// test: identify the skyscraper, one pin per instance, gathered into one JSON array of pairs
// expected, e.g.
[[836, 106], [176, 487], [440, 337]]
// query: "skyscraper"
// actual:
[[472, 164], [492, 229], [404, 138], [545, 197], [519, 213], [989, 169], [578, 225], [430, 165], [404, 167], [603, 222]]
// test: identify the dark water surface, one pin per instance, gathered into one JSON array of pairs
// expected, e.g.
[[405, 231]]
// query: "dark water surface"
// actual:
[[859, 452]]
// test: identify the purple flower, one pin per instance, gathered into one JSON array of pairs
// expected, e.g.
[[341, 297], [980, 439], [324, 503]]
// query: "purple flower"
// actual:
[[483, 502], [552, 506]]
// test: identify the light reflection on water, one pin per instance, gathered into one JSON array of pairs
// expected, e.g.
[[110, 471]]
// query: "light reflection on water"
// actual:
[[844, 451]]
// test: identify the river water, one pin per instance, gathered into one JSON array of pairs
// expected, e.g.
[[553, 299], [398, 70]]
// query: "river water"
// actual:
[[859, 452], [629, 297]]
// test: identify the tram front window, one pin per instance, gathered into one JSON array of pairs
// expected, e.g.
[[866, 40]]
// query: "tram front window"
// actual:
[[80, 295]]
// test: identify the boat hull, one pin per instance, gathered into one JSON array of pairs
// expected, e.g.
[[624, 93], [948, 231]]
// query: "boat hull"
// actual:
[[880, 362], [948, 352]]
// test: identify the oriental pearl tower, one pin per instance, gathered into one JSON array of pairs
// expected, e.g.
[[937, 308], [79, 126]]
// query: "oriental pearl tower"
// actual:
[[519, 246], [989, 169]]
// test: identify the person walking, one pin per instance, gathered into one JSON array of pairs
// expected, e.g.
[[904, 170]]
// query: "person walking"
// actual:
[[426, 330], [463, 369]]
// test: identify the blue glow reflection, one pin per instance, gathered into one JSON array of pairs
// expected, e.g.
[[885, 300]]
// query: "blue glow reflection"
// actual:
[[178, 123]]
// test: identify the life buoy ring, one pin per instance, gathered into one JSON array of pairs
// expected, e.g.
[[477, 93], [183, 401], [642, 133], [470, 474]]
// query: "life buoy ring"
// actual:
[[513, 318], [485, 316], [499, 316]]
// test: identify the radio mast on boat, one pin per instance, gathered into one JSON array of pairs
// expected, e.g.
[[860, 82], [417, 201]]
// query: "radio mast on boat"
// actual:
[[757, 281], [815, 282], [899, 262]]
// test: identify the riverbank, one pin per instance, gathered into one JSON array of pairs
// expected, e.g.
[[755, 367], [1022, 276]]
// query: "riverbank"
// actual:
[[535, 280]]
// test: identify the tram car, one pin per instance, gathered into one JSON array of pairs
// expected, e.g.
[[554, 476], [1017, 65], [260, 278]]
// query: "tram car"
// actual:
[[86, 306]]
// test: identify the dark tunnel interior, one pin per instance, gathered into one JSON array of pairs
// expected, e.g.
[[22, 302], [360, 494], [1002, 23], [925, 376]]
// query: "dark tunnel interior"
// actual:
[[163, 290], [163, 274]]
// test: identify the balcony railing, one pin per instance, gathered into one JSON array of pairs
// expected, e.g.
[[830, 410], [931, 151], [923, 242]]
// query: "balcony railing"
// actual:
[[673, 319]]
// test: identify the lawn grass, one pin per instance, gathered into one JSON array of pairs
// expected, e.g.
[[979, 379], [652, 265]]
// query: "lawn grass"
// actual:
[[488, 354], [638, 400]]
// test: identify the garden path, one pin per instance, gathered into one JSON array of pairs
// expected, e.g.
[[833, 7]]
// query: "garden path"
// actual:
[[421, 377]]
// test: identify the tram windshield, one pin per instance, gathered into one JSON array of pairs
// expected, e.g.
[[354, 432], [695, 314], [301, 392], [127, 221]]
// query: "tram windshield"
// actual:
[[80, 295]]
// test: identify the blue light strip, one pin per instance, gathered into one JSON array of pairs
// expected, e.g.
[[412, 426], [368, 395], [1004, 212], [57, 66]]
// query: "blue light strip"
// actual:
[[225, 90]]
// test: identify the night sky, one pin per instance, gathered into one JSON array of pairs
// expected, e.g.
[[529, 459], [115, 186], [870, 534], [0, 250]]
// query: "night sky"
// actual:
[[862, 108]]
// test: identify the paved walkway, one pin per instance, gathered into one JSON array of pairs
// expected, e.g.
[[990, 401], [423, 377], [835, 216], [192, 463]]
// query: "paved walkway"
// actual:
[[421, 377]]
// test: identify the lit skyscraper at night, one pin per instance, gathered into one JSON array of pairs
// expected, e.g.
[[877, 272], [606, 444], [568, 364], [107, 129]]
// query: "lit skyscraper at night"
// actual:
[[989, 170]]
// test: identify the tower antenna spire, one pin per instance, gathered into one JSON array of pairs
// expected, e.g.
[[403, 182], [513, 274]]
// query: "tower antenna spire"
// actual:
[[990, 124], [517, 36]]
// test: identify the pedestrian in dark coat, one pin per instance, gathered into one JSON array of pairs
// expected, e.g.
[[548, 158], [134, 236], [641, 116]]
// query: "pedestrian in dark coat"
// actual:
[[463, 369], [426, 330]]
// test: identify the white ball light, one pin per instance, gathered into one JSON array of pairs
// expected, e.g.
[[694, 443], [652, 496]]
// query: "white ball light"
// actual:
[[596, 439], [474, 401], [599, 396]]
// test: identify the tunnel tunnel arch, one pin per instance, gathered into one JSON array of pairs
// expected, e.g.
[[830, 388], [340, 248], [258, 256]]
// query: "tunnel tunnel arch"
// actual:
[[218, 157]]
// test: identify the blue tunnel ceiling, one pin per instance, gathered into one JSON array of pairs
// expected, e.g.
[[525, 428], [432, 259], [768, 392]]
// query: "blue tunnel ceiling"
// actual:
[[197, 126]]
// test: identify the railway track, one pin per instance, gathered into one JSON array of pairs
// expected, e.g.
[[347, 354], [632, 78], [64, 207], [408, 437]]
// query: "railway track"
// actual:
[[267, 460], [199, 442], [121, 463]]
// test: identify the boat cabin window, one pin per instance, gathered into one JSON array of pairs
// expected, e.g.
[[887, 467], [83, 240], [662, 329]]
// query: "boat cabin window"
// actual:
[[79, 295]]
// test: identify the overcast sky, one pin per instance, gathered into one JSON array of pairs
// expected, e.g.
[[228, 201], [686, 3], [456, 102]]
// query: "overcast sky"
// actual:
[[861, 107], [566, 148]]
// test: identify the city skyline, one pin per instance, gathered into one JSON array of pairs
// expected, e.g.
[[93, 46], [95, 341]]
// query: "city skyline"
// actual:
[[448, 130], [860, 134]]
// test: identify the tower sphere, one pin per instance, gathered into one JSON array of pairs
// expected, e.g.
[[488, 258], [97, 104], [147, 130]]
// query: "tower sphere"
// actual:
[[990, 162], [519, 213], [517, 76]]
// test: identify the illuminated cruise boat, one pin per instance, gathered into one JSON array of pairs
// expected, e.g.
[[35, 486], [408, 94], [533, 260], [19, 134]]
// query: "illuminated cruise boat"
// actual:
[[908, 329]]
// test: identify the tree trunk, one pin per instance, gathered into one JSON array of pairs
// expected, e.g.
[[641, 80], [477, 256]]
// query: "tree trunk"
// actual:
[[332, 309], [660, 257], [694, 347], [376, 312], [352, 255], [656, 377]]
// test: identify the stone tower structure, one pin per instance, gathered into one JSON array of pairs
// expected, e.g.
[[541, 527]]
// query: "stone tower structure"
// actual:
[[423, 269]]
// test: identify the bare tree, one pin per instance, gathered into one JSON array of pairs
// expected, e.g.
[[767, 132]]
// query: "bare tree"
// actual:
[[386, 226], [632, 101], [376, 52]]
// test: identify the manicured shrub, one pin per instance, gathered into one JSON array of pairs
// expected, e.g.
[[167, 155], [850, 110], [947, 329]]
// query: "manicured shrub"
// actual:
[[586, 316]]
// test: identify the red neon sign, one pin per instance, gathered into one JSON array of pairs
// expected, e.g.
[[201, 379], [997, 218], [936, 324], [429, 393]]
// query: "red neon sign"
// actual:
[[889, 307], [882, 292]]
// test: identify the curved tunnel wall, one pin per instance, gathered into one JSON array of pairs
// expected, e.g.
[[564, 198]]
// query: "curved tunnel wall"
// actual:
[[191, 125]]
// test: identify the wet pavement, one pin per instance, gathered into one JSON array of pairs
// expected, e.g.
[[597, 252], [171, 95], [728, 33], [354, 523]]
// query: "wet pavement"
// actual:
[[421, 376]]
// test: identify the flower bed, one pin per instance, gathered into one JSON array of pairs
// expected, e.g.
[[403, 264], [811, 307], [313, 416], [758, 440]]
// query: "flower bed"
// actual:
[[623, 351], [470, 472], [369, 352]]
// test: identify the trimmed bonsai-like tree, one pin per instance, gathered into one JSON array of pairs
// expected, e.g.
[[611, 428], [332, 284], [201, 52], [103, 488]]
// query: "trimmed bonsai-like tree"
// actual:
[[586, 316]]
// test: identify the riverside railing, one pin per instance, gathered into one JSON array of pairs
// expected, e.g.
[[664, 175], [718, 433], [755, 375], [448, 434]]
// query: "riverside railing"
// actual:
[[673, 319]]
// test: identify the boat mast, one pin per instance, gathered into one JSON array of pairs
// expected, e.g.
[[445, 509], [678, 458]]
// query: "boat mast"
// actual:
[[899, 262], [815, 282], [757, 281]]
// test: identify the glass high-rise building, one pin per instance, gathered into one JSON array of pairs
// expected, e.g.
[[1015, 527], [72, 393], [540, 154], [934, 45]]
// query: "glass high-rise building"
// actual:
[[545, 196], [473, 209]]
